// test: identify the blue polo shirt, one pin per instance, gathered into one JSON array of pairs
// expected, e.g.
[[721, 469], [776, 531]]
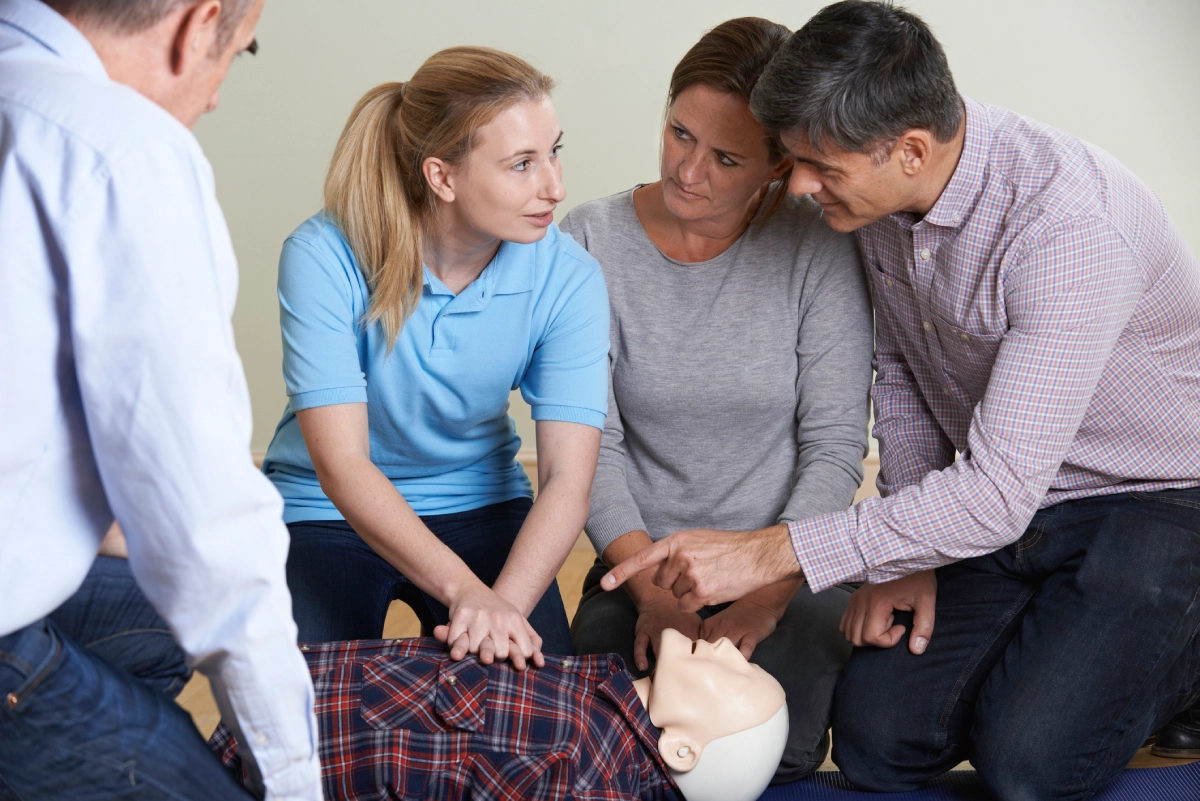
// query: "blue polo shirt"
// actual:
[[536, 319]]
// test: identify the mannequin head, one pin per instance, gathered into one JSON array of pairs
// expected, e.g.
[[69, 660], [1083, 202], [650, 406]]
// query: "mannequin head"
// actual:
[[706, 697]]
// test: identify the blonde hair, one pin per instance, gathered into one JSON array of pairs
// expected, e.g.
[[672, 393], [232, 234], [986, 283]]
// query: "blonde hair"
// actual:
[[376, 191]]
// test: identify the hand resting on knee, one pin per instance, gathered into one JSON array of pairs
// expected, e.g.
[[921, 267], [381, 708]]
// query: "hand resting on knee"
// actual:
[[869, 618]]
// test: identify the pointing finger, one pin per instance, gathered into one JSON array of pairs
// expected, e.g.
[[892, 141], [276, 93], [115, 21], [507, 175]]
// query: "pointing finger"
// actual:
[[647, 557]]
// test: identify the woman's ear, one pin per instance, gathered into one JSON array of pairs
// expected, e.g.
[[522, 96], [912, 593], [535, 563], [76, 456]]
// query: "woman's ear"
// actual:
[[783, 168], [680, 753], [437, 174]]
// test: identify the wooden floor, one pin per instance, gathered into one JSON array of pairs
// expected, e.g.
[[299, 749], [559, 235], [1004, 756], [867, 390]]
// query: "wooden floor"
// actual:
[[401, 622]]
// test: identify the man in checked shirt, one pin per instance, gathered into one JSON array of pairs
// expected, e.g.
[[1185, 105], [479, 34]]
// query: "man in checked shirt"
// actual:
[[1037, 400]]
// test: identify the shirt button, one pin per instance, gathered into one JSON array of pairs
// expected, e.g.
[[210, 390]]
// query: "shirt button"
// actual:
[[889, 282], [566, 664], [965, 337], [928, 326], [956, 217], [926, 254], [261, 739], [452, 680], [946, 391], [305, 647]]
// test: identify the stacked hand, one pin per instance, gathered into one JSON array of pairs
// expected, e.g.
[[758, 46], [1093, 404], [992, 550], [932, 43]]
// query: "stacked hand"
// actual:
[[482, 622], [869, 619]]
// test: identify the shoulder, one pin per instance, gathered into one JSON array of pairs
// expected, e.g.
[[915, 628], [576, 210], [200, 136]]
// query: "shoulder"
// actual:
[[594, 221], [119, 128], [318, 248], [1058, 183], [1049, 174], [797, 228], [560, 257]]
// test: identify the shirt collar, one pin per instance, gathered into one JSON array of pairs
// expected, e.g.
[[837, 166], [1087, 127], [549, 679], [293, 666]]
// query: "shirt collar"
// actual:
[[966, 185], [48, 28], [510, 272]]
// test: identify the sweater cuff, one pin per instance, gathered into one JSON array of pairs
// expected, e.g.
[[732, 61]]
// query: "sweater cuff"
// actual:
[[826, 550], [824, 487], [604, 527]]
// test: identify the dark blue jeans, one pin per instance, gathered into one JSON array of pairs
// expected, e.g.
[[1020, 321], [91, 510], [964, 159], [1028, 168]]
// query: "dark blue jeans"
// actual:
[[88, 710], [1051, 660], [341, 588]]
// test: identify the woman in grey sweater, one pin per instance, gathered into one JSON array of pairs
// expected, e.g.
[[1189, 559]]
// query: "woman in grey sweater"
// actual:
[[740, 367]]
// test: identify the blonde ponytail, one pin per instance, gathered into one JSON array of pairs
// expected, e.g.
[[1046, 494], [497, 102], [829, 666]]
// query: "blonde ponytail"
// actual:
[[364, 195], [376, 191]]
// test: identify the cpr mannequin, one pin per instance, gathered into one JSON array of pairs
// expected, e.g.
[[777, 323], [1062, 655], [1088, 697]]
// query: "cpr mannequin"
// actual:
[[400, 719], [723, 720]]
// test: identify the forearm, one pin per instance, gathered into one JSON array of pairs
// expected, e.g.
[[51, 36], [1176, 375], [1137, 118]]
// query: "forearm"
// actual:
[[385, 521], [911, 443], [547, 536], [774, 598]]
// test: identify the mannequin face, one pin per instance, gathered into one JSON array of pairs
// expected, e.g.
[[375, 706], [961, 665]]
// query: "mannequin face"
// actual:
[[697, 696]]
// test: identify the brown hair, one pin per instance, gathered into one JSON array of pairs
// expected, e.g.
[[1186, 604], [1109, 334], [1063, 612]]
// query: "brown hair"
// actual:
[[376, 190], [730, 58]]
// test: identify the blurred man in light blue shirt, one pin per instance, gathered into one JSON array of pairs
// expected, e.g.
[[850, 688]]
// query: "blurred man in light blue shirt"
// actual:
[[122, 396]]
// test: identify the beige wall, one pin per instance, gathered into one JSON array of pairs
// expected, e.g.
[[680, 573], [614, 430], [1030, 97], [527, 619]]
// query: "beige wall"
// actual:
[[1124, 75]]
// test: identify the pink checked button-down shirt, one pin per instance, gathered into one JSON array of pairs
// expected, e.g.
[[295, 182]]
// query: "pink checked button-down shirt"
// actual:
[[1042, 320]]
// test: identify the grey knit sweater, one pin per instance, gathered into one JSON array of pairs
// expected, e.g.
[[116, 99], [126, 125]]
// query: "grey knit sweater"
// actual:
[[739, 385]]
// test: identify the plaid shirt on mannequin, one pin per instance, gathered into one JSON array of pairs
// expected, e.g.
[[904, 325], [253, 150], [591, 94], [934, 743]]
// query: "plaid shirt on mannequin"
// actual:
[[1043, 320], [398, 719]]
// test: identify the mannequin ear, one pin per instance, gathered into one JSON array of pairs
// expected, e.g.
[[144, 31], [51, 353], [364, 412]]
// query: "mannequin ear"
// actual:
[[680, 753]]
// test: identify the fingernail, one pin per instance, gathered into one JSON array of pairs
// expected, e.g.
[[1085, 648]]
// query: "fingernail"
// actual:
[[641, 665], [607, 582], [919, 644]]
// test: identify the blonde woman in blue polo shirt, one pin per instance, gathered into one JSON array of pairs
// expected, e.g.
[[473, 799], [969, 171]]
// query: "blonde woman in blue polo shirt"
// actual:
[[433, 283]]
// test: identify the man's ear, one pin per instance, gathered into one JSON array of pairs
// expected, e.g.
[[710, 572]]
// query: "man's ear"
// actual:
[[195, 35], [914, 148], [437, 174], [680, 753]]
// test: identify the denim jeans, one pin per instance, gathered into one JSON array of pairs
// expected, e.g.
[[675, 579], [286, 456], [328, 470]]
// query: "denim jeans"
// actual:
[[805, 654], [1051, 660], [88, 710], [341, 588]]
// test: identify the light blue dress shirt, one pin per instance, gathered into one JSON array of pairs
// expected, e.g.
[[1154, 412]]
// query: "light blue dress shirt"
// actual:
[[121, 392], [536, 319]]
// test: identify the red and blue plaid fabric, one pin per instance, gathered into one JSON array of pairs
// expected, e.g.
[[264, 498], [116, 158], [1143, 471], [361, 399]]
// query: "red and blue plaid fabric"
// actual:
[[1043, 321], [399, 719]]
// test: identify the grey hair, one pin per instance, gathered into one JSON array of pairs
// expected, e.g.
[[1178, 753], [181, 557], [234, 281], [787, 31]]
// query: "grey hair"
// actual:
[[134, 16], [856, 76]]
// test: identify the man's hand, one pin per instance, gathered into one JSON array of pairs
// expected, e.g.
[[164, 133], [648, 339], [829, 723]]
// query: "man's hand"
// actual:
[[704, 566], [652, 619], [869, 619], [744, 622]]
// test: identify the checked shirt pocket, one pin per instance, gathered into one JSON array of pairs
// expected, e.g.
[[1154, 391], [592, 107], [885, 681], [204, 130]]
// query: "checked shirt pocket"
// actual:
[[968, 355], [424, 695]]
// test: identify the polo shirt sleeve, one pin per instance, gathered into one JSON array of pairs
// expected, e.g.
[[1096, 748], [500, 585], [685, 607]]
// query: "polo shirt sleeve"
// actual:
[[320, 305], [567, 378]]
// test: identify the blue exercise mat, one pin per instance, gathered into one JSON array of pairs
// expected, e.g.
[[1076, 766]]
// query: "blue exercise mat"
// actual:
[[1180, 783]]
